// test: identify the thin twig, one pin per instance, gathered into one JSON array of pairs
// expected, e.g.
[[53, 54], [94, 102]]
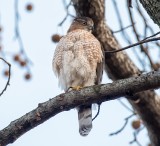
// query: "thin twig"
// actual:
[[18, 35], [124, 33], [152, 36], [67, 14], [97, 113], [135, 140], [120, 22], [146, 25], [133, 45], [124, 28], [9, 75], [64, 19], [124, 105], [143, 49], [121, 129], [135, 134]]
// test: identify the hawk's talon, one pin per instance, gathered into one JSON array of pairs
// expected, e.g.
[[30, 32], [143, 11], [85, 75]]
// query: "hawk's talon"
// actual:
[[69, 89], [75, 88]]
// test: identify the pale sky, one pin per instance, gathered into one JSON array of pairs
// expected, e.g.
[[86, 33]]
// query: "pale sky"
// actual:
[[23, 96]]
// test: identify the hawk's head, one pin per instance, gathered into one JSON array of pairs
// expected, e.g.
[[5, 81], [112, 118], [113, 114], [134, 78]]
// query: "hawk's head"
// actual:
[[84, 23]]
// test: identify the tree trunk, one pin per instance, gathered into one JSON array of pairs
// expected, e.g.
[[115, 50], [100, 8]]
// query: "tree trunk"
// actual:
[[153, 9], [119, 66]]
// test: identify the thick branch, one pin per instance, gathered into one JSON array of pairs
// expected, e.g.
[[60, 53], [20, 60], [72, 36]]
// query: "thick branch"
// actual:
[[67, 101]]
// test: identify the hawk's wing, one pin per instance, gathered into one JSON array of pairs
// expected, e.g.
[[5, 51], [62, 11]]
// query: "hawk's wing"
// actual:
[[99, 69], [99, 73], [57, 58]]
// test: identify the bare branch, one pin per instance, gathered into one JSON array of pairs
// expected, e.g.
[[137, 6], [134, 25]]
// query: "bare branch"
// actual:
[[117, 11], [67, 14], [135, 134], [146, 24], [124, 105], [125, 124], [18, 35], [136, 33], [72, 99], [133, 45], [9, 75], [124, 28], [152, 36]]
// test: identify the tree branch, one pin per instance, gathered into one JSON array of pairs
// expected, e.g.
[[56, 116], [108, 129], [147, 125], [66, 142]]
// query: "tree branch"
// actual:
[[9, 75], [125, 124], [133, 45], [69, 100], [18, 35], [67, 13]]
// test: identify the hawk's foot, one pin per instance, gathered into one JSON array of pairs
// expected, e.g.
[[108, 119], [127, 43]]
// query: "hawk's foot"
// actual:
[[75, 88]]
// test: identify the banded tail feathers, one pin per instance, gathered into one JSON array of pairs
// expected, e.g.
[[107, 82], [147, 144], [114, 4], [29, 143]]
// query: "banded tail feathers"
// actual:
[[85, 119]]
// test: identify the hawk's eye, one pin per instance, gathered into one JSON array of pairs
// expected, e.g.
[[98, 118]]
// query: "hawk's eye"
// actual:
[[84, 23]]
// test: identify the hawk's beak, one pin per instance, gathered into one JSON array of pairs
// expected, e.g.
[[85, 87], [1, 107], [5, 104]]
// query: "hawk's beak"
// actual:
[[91, 27]]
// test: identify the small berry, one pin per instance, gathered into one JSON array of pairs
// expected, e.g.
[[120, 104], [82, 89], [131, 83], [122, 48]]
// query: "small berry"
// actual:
[[27, 76], [16, 58], [56, 38], [6, 73], [136, 124], [23, 63], [29, 7]]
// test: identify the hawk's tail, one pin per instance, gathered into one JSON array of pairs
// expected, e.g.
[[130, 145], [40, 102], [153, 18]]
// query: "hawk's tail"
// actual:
[[85, 119]]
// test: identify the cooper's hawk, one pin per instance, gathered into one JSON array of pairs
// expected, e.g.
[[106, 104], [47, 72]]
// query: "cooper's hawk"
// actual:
[[78, 63]]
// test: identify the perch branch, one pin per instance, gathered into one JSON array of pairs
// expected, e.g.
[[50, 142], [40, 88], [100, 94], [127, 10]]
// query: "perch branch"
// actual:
[[72, 99]]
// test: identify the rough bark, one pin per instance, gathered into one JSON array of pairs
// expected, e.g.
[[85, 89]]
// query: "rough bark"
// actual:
[[67, 101], [119, 66], [153, 9]]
